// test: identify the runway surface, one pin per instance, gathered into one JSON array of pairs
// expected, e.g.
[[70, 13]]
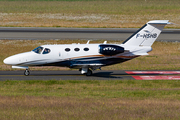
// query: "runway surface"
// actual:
[[98, 75], [25, 33]]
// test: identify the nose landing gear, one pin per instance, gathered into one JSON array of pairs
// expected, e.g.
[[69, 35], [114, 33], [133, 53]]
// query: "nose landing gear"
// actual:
[[26, 72]]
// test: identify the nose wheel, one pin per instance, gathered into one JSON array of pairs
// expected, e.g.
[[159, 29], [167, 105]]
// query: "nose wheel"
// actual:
[[26, 72]]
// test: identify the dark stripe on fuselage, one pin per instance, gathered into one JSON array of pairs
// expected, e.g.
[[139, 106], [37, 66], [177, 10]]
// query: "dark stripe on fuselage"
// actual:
[[72, 63], [30, 62], [80, 61]]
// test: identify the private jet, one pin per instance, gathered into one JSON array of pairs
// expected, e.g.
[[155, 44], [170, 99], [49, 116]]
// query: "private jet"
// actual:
[[89, 57]]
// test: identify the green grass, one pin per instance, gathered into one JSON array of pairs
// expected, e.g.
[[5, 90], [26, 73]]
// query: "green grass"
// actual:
[[87, 13], [84, 99], [114, 7], [93, 89]]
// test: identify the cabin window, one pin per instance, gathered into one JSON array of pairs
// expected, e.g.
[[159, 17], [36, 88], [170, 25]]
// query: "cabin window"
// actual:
[[86, 49], [38, 50], [76, 49], [46, 51], [67, 49]]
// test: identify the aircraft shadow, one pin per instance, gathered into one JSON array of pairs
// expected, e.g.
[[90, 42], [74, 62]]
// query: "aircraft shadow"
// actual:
[[107, 75], [97, 74]]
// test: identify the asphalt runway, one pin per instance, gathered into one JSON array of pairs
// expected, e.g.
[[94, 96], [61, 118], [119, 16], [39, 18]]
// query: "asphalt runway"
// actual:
[[25, 33], [63, 75], [97, 75]]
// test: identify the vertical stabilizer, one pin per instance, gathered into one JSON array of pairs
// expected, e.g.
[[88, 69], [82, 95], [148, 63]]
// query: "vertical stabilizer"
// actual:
[[147, 34]]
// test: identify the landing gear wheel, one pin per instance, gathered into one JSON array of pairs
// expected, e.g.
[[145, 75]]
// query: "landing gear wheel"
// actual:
[[89, 72], [26, 72]]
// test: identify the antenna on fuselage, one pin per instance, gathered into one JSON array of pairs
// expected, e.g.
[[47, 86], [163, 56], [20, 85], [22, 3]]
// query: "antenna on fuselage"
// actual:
[[88, 41], [105, 42]]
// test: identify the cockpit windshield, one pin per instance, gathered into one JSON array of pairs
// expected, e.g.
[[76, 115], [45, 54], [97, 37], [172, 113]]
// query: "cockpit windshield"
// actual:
[[38, 50], [46, 51]]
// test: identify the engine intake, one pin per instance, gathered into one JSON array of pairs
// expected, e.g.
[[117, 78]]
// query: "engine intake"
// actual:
[[110, 49]]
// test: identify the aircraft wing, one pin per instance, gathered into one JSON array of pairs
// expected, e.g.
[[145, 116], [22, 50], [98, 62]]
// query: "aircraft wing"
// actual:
[[87, 65]]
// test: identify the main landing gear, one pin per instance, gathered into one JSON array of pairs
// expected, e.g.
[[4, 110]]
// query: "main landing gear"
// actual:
[[26, 72], [89, 72], [86, 71]]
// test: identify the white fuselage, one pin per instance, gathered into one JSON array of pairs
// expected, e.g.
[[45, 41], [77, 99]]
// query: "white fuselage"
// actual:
[[78, 53]]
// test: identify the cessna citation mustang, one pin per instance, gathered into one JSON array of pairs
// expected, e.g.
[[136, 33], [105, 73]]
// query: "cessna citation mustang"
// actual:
[[89, 57]]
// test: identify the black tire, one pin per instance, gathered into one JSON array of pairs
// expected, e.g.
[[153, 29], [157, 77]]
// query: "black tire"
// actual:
[[26, 72], [89, 72]]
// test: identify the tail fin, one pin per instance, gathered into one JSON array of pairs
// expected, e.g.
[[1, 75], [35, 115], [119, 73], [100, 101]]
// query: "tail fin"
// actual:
[[147, 34]]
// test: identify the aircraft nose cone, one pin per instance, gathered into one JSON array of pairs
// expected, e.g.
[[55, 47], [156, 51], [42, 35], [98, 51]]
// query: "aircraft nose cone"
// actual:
[[8, 61], [17, 59], [12, 60]]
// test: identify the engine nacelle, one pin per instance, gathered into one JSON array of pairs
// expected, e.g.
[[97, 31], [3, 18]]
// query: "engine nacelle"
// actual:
[[110, 49]]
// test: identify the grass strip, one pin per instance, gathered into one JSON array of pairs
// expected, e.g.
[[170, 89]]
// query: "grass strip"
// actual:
[[127, 89], [87, 13], [84, 99]]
